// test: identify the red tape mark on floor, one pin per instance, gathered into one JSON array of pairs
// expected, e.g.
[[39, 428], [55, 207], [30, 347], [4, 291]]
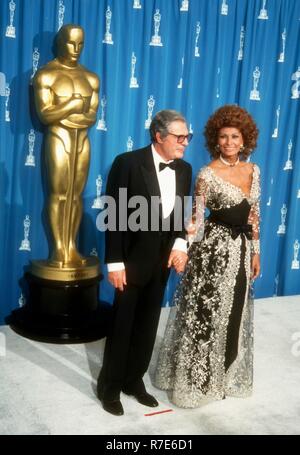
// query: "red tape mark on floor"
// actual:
[[158, 412]]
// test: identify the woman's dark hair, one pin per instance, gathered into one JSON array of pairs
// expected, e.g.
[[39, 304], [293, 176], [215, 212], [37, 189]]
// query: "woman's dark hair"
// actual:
[[231, 116]]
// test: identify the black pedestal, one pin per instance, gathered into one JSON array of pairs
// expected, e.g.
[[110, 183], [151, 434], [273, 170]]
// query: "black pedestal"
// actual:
[[61, 312]]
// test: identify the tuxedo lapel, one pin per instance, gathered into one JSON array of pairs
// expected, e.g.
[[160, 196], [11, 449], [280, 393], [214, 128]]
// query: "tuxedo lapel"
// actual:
[[179, 179], [150, 177], [149, 173]]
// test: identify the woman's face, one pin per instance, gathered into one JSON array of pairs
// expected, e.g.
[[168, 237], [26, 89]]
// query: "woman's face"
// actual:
[[230, 141]]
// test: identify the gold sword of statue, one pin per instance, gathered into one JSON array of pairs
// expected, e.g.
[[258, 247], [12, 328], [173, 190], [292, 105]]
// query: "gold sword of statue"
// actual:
[[70, 194]]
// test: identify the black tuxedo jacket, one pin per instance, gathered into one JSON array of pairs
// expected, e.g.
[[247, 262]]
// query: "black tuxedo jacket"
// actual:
[[141, 250]]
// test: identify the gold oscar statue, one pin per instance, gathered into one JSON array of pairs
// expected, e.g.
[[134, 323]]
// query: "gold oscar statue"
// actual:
[[66, 98]]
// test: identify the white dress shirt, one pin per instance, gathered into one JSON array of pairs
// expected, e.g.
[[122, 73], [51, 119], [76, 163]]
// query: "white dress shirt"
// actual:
[[167, 185]]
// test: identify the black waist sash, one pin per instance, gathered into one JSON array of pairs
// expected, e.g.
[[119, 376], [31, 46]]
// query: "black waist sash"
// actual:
[[235, 229]]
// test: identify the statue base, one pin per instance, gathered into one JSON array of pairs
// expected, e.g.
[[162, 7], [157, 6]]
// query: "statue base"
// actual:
[[288, 166], [108, 39], [133, 83], [98, 204], [281, 229], [51, 270], [156, 41], [101, 125], [61, 312], [30, 160], [10, 31], [254, 95], [263, 14], [224, 10], [184, 5]]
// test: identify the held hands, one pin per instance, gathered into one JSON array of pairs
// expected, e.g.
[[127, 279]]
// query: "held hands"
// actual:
[[178, 260], [255, 266], [191, 229], [118, 279]]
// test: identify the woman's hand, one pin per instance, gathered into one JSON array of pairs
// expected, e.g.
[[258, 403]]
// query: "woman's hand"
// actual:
[[255, 266], [191, 229]]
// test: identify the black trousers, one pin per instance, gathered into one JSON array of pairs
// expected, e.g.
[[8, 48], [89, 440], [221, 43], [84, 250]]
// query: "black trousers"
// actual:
[[131, 338]]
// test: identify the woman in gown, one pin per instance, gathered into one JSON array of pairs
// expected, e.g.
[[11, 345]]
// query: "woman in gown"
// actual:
[[207, 349]]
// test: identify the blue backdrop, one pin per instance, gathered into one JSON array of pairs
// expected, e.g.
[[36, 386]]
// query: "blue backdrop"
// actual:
[[192, 56]]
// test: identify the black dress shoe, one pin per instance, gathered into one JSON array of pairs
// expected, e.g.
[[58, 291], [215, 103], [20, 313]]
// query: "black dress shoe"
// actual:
[[145, 398], [113, 407]]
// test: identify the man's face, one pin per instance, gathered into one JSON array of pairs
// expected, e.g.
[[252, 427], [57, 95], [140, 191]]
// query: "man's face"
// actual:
[[173, 145], [72, 46]]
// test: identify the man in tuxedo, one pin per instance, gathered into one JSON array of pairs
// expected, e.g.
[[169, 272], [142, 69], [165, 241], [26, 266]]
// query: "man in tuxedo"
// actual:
[[139, 260]]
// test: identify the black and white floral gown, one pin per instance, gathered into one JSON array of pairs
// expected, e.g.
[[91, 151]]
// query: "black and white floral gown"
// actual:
[[207, 349]]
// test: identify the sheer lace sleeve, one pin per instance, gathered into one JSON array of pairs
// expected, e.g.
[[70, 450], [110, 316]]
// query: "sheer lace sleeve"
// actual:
[[199, 203], [254, 215]]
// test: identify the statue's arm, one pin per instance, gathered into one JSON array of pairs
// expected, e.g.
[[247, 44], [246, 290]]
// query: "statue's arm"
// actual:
[[89, 118], [49, 112], [92, 113]]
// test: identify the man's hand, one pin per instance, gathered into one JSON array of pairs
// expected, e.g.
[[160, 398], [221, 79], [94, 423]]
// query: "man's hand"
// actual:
[[255, 266], [118, 279], [178, 260]]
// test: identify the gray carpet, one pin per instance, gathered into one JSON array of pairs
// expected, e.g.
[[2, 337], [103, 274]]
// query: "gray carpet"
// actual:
[[48, 389]]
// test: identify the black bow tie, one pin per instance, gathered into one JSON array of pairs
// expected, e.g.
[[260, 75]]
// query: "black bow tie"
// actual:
[[171, 165]]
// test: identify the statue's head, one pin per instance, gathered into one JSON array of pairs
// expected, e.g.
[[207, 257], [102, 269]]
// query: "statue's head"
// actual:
[[69, 42]]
